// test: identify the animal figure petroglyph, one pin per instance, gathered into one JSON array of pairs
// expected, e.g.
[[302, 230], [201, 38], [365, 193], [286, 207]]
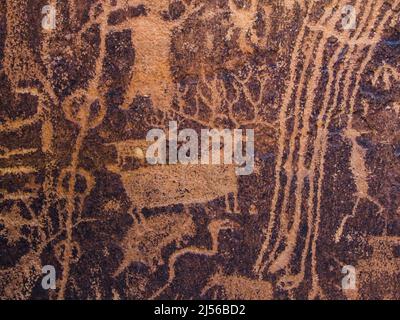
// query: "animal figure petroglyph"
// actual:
[[145, 240], [214, 228], [165, 185], [160, 186]]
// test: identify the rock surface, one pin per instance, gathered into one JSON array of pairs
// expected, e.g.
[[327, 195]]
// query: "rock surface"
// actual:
[[318, 81]]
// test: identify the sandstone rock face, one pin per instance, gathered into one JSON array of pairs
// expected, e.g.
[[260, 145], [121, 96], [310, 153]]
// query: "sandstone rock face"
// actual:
[[83, 82]]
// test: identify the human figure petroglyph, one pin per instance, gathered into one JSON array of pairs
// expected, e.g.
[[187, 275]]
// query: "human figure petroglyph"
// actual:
[[243, 19], [360, 175], [151, 36], [152, 31]]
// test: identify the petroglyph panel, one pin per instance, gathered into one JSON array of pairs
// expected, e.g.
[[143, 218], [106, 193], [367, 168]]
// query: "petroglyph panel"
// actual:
[[83, 82]]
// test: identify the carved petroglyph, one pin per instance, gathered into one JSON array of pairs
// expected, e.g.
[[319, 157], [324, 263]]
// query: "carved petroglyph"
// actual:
[[243, 19], [360, 175], [148, 237], [78, 93], [386, 75], [214, 228], [152, 186], [311, 45], [151, 36]]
